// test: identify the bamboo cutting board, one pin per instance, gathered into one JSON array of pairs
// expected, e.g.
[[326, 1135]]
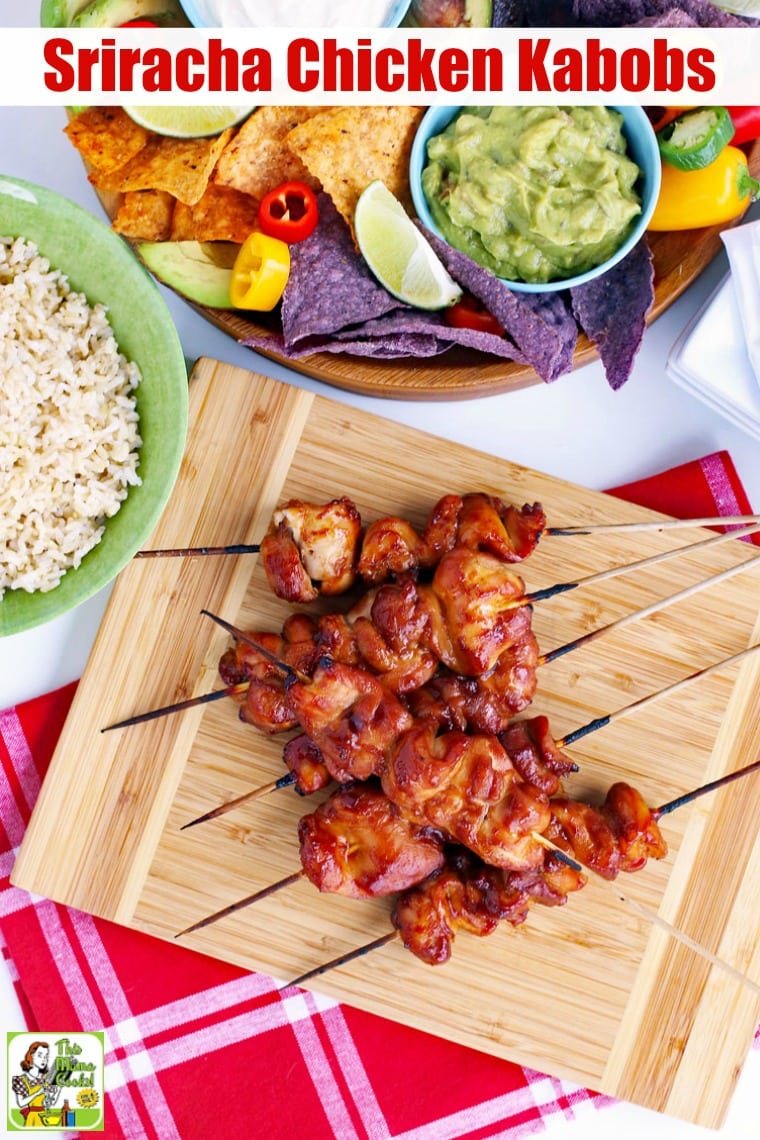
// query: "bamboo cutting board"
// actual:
[[597, 992]]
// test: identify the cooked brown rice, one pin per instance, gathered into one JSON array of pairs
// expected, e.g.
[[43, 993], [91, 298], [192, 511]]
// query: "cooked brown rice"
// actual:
[[68, 421]]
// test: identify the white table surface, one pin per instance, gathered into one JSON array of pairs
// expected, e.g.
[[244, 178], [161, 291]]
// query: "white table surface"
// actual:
[[576, 429]]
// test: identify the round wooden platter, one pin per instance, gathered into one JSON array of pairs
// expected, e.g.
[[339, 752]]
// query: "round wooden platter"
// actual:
[[461, 374]]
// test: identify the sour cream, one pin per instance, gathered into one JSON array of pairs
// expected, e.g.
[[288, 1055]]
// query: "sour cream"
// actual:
[[291, 13]]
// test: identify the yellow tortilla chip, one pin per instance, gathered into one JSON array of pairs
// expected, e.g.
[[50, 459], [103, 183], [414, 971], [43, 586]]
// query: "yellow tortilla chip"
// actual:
[[182, 167], [145, 215], [257, 159], [222, 214], [106, 137], [349, 147]]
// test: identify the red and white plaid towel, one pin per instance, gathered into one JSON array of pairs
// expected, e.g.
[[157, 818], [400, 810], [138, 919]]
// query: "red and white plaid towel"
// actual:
[[196, 1048]]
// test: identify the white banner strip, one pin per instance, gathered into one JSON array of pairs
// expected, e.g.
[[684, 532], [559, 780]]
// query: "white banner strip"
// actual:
[[312, 66]]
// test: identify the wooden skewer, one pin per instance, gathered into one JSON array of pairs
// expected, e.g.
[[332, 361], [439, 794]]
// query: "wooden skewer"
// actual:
[[644, 563], [655, 607], [289, 778], [645, 911], [257, 794], [241, 635], [197, 551], [636, 706], [217, 694], [551, 531], [342, 960], [662, 524], [247, 901], [180, 706]]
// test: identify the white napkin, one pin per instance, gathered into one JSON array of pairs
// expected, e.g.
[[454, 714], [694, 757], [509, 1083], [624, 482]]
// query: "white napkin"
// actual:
[[709, 360], [743, 248]]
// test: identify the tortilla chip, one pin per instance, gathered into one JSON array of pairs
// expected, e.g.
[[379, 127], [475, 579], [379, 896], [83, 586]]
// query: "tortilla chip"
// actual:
[[628, 287], [145, 215], [349, 147], [257, 159], [222, 214], [106, 137], [182, 167]]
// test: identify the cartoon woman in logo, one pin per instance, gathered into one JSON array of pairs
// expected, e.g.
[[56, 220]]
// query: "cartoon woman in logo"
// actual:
[[34, 1090]]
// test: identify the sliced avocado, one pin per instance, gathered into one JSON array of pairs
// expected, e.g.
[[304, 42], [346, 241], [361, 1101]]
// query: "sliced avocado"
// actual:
[[449, 14], [59, 13], [112, 13], [200, 271]]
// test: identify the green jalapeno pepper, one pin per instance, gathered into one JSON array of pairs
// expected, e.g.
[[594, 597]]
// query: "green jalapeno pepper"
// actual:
[[696, 138]]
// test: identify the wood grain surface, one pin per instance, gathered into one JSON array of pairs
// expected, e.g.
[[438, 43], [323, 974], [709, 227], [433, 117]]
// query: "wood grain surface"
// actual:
[[597, 992]]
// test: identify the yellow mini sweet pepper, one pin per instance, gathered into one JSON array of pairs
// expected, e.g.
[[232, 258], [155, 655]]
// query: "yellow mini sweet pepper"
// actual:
[[720, 192], [260, 273]]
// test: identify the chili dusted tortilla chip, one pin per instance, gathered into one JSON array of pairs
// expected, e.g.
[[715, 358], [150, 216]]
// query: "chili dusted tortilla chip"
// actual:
[[106, 137], [145, 215], [349, 147], [257, 160], [222, 214], [182, 167]]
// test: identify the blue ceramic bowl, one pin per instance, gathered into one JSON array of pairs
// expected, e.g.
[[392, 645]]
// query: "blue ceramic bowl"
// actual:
[[396, 15], [642, 148]]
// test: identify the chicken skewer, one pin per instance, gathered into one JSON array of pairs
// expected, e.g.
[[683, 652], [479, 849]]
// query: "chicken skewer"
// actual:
[[427, 916], [620, 836], [419, 701], [256, 643], [313, 549], [527, 742]]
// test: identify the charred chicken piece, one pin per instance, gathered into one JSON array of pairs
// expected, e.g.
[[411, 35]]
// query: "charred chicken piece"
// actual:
[[351, 717], [304, 760], [358, 844], [467, 895], [618, 836], [467, 787], [474, 610], [489, 702], [487, 523], [535, 754], [312, 549], [391, 546]]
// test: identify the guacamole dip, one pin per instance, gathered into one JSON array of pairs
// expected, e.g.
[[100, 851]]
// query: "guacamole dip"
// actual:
[[533, 193]]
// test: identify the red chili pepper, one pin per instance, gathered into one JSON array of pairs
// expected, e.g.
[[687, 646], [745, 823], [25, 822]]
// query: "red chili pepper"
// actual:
[[469, 313], [746, 122], [289, 212], [138, 24]]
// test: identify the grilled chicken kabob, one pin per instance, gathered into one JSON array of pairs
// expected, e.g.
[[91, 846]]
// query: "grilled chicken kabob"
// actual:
[[312, 549], [359, 845]]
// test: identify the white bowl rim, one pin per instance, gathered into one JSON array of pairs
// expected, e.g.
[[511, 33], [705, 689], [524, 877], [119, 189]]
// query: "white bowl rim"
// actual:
[[398, 12]]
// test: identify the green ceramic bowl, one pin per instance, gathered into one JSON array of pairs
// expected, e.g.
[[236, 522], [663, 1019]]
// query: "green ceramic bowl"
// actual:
[[98, 263]]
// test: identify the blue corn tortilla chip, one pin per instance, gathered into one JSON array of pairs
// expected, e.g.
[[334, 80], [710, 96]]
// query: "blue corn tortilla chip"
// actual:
[[621, 13], [630, 13], [330, 286], [404, 333], [540, 330], [612, 311]]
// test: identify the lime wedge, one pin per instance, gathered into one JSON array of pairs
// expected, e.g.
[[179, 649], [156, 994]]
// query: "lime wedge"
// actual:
[[188, 122], [739, 7], [397, 253]]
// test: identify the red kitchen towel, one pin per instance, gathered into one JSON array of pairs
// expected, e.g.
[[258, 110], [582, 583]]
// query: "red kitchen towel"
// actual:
[[196, 1048]]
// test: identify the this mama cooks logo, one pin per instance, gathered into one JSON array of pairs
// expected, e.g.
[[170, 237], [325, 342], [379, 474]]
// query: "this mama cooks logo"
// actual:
[[55, 1082]]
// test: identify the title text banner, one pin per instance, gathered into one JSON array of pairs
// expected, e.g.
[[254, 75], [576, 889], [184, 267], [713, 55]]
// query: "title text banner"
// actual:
[[291, 66]]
